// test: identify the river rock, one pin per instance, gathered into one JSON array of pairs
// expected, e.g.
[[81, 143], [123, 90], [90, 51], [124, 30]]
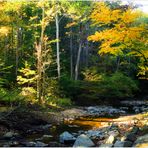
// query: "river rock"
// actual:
[[47, 136], [119, 143], [29, 144], [83, 141], [106, 145], [123, 143], [93, 133], [110, 139], [127, 144], [66, 137], [103, 110], [131, 137], [9, 135], [40, 144], [141, 141], [115, 133], [135, 130], [45, 127]]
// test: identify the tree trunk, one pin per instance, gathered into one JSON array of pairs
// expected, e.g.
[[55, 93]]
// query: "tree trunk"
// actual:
[[71, 56], [78, 61], [58, 47], [40, 62], [17, 50]]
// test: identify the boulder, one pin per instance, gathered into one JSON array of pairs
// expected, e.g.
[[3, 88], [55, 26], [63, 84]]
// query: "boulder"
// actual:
[[46, 127], [9, 135], [83, 141], [123, 143], [66, 137], [131, 137], [93, 133], [127, 144], [119, 144], [141, 141]]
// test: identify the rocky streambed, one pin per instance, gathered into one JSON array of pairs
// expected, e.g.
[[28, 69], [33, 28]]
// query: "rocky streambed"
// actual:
[[101, 126]]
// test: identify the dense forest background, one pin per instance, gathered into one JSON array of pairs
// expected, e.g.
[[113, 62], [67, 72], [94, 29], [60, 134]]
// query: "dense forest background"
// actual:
[[72, 52]]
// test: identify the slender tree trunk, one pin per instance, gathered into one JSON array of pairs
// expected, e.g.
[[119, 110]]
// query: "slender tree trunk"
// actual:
[[87, 53], [118, 63], [58, 46], [71, 56], [78, 61], [40, 62], [17, 50]]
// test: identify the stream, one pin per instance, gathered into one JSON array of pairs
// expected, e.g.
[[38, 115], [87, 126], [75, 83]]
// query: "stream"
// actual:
[[97, 124]]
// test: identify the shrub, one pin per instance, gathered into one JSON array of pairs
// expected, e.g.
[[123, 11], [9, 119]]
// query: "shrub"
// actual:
[[101, 86], [59, 102]]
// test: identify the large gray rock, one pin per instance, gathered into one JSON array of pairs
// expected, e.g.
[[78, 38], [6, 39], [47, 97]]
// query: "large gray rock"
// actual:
[[119, 144], [131, 137], [123, 144], [94, 133], [66, 137], [141, 141], [128, 143], [83, 141], [10, 134]]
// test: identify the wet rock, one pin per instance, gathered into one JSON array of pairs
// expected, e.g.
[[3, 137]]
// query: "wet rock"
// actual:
[[44, 138], [93, 133], [66, 137], [115, 133], [40, 144], [14, 143], [45, 127], [133, 102], [119, 144], [106, 145], [128, 143], [136, 109], [124, 108], [73, 125], [110, 139], [9, 135], [131, 137], [113, 127], [29, 144], [135, 130], [103, 110], [81, 132], [123, 144], [141, 141], [47, 136], [83, 141], [71, 114], [55, 144]]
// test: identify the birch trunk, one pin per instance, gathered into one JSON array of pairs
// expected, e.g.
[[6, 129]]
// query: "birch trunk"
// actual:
[[71, 56], [58, 46]]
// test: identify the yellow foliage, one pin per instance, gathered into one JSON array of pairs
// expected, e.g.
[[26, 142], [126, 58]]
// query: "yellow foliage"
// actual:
[[70, 24], [4, 31]]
